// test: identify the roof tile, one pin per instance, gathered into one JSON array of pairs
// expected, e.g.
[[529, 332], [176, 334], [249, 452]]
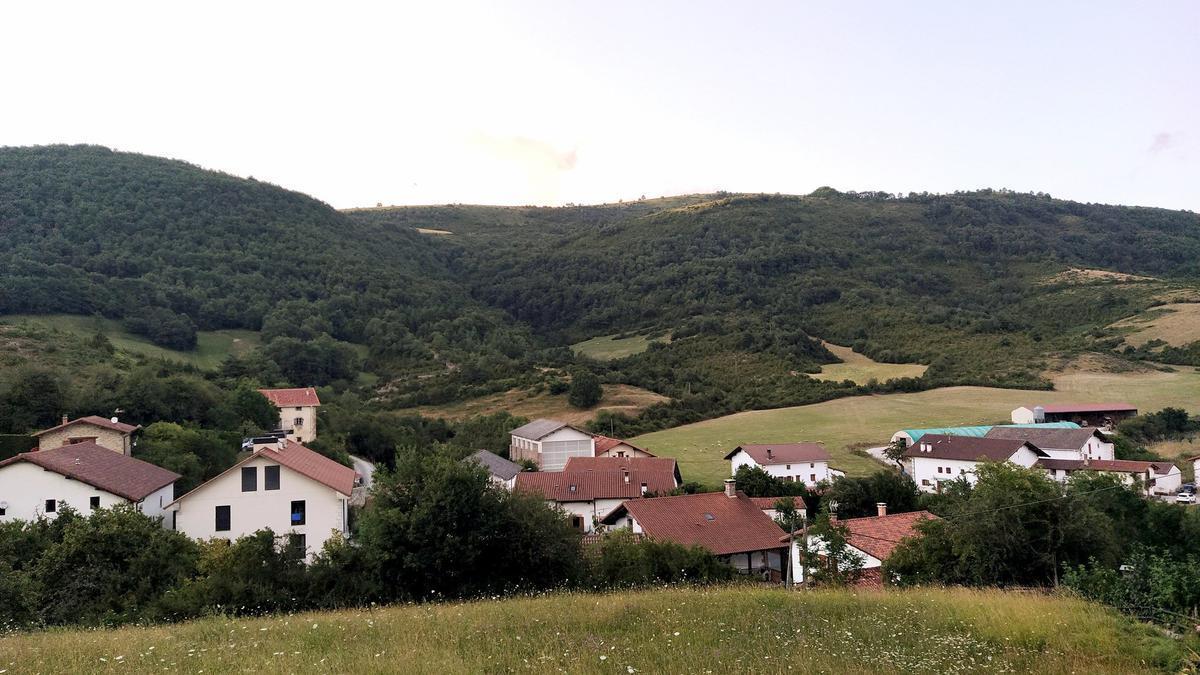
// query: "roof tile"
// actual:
[[100, 467]]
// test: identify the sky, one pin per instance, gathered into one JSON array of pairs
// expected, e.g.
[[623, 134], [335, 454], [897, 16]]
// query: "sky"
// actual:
[[571, 102]]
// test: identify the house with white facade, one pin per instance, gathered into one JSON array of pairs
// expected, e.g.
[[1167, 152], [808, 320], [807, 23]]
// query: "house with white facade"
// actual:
[[85, 476], [1078, 444], [297, 411], [873, 538], [911, 436], [1153, 478], [615, 447], [589, 488], [1102, 415], [936, 458], [283, 486], [107, 433], [729, 524], [549, 444], [501, 471], [806, 463]]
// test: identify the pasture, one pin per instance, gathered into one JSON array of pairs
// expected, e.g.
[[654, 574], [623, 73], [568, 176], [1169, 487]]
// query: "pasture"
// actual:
[[622, 398], [860, 368], [610, 347]]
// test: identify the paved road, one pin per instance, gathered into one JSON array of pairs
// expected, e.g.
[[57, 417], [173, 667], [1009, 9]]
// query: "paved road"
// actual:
[[364, 469]]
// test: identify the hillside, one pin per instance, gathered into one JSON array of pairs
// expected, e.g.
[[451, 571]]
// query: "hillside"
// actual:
[[663, 631]]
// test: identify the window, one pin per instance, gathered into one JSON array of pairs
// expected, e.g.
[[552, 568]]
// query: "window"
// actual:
[[644, 489], [789, 467], [80, 439], [2, 511], [298, 512], [271, 477], [300, 541], [812, 465], [222, 519], [94, 502], [299, 408], [812, 477], [51, 506], [298, 422], [939, 469], [924, 481], [249, 479], [577, 522]]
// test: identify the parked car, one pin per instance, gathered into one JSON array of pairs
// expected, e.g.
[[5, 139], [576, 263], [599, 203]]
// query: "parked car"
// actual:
[[1187, 497]]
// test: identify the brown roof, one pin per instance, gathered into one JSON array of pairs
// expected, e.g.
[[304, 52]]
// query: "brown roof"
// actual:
[[585, 485], [968, 448], [660, 464], [605, 443], [1067, 408], [97, 421], [783, 453], [765, 503], [101, 468], [306, 396], [302, 460], [878, 536], [723, 525], [1113, 465], [1054, 439]]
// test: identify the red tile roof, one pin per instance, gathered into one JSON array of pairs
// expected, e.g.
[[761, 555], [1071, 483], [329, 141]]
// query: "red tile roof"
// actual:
[[1113, 465], [968, 448], [302, 460], [1067, 408], [283, 398], [723, 525], [94, 420], [783, 453], [878, 536], [765, 503], [659, 464], [585, 485], [605, 443], [101, 468]]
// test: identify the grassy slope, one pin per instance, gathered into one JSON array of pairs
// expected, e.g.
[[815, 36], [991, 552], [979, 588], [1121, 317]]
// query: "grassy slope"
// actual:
[[1176, 324], [844, 424], [860, 368], [607, 347], [667, 631], [211, 346], [622, 398]]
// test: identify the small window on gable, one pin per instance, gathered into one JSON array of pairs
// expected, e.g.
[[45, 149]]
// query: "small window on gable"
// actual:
[[51, 505], [789, 467], [812, 477], [94, 503], [298, 512], [271, 477], [222, 519], [571, 488], [249, 479]]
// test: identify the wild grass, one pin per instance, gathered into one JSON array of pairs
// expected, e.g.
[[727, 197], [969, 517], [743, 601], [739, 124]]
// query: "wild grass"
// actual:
[[609, 347], [736, 629], [860, 368], [622, 398], [863, 421], [1177, 324]]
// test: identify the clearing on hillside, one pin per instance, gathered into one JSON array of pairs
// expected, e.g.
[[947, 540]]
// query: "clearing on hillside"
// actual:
[[621, 398], [610, 347], [727, 629], [848, 423], [860, 368], [1177, 324]]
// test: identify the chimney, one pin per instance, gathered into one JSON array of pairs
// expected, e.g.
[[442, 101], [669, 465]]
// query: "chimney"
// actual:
[[770, 454], [881, 507], [65, 420], [730, 488]]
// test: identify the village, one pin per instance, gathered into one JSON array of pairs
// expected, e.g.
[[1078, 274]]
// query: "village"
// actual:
[[600, 484]]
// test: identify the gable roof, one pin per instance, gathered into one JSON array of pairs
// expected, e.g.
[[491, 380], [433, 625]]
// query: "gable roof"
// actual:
[[783, 453], [305, 396], [721, 524], [1054, 439], [94, 420], [1110, 465], [636, 464], [979, 431], [764, 503], [605, 443], [541, 428], [306, 462], [968, 448], [588, 485], [496, 465], [1066, 408], [878, 536], [101, 468]]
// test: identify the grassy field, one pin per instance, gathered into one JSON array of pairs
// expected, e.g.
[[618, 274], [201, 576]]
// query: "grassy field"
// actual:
[[1176, 324], [607, 347], [211, 346], [622, 398], [860, 368], [738, 630], [849, 423]]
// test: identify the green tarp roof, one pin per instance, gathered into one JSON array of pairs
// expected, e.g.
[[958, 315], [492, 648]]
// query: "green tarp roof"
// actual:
[[981, 431]]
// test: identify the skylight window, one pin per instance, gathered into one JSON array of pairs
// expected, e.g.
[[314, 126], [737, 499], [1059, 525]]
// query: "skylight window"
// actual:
[[709, 516]]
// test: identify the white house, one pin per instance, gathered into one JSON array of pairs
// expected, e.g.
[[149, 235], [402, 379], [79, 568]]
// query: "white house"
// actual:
[[873, 538], [794, 462], [549, 444], [84, 475], [1155, 478], [1104, 415], [615, 447], [501, 471], [936, 458], [283, 486], [1076, 444], [107, 433], [297, 411], [589, 488]]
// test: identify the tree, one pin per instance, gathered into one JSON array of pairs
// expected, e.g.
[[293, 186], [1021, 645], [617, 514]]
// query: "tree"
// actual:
[[585, 390], [791, 519], [756, 482], [623, 561], [832, 561], [895, 451], [34, 401], [857, 497], [254, 409]]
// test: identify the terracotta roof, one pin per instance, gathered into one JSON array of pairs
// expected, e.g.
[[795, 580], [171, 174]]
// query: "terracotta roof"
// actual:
[[588, 485], [658, 464], [1064, 408], [605, 443], [1113, 465], [968, 448], [723, 525], [541, 428], [94, 420], [1053, 439], [783, 453], [878, 536], [495, 464], [764, 503], [283, 398], [300, 459], [100, 467]]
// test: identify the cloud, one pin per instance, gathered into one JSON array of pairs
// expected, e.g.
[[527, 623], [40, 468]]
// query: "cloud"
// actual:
[[1164, 141], [534, 154]]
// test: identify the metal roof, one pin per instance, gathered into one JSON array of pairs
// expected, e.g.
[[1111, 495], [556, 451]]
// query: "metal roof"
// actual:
[[981, 431]]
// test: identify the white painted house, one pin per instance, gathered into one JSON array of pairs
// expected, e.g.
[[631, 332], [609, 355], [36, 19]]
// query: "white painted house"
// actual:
[[1078, 444], [873, 538], [85, 476], [806, 463], [297, 411], [549, 444], [283, 486], [1154, 478], [615, 447], [589, 488], [937, 458]]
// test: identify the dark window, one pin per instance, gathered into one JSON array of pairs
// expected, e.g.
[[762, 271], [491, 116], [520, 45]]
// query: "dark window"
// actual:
[[577, 522], [812, 477], [222, 519], [299, 541], [95, 503], [1, 512], [51, 506], [298, 422], [271, 477], [249, 478], [298, 512]]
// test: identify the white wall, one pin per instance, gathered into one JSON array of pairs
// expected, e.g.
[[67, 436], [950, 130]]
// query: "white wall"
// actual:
[[623, 450], [307, 430], [1023, 416], [325, 509], [1168, 484], [554, 450], [801, 472], [924, 470], [589, 511], [26, 487], [817, 545], [1093, 449]]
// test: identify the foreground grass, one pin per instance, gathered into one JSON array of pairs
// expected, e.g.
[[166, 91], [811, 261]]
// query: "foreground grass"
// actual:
[[849, 423], [671, 631], [860, 368]]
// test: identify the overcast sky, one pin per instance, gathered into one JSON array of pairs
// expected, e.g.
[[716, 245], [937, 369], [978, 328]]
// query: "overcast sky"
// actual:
[[554, 102]]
